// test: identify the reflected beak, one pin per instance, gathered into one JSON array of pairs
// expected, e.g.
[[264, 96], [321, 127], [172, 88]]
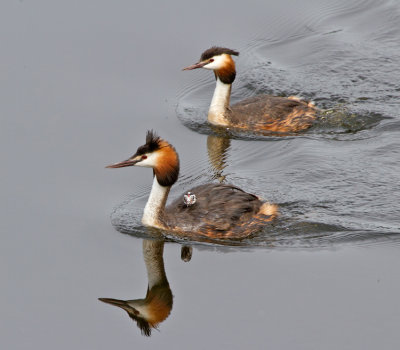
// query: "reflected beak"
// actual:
[[123, 304], [115, 302], [196, 65], [124, 163]]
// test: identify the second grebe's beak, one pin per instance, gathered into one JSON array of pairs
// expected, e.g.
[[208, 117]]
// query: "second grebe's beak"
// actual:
[[124, 163], [196, 65]]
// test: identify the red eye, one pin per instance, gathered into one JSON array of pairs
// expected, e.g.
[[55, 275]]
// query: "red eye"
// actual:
[[211, 60], [144, 157]]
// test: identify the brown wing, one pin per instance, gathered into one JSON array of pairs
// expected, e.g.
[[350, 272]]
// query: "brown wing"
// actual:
[[273, 113], [220, 211]]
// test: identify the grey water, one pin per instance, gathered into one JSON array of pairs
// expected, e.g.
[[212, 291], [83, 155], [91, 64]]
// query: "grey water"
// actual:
[[82, 82]]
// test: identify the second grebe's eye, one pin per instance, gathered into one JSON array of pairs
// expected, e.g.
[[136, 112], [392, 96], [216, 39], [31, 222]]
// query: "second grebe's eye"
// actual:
[[144, 156], [211, 60]]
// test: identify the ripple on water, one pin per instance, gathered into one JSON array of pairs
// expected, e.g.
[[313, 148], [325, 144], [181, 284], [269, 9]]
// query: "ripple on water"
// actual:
[[336, 56], [335, 184], [289, 234], [309, 218]]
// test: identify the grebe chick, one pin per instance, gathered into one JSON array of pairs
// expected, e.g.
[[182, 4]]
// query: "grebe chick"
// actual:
[[219, 210], [259, 113]]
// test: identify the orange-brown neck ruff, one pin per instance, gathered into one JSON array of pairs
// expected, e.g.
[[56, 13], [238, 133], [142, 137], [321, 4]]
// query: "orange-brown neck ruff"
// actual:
[[227, 72], [167, 167], [166, 171], [219, 107], [158, 304], [151, 311]]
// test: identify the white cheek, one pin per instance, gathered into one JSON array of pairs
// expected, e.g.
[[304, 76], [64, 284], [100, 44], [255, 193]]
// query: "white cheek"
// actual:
[[218, 62], [150, 161]]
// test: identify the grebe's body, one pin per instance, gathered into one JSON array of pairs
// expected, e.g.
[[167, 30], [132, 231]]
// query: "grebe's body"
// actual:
[[219, 211], [263, 113]]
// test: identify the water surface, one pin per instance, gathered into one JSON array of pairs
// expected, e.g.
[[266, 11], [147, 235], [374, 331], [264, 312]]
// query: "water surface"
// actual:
[[81, 84]]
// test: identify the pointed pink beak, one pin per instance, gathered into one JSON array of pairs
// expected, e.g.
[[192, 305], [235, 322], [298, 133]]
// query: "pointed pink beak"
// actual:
[[124, 163], [196, 65]]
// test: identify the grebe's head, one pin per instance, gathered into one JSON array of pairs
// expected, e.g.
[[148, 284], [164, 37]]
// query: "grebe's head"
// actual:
[[149, 312], [158, 154], [218, 59]]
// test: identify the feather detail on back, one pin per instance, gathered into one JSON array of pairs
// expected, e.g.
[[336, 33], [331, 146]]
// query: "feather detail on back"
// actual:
[[220, 211]]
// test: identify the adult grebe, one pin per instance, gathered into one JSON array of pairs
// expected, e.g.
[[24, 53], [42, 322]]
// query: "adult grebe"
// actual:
[[211, 210], [263, 113]]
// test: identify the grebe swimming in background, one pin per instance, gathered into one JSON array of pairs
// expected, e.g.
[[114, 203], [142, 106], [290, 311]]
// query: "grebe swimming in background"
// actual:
[[263, 112], [217, 210]]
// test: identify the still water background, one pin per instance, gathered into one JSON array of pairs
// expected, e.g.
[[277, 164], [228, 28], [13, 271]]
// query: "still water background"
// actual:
[[81, 82]]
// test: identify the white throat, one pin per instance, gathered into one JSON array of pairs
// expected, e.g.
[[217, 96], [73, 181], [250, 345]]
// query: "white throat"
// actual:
[[155, 205], [219, 103]]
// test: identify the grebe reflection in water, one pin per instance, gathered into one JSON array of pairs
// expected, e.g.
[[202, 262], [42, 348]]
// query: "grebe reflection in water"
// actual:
[[149, 312]]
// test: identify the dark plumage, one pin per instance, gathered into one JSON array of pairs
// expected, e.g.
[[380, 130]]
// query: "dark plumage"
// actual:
[[153, 143], [215, 51], [220, 211]]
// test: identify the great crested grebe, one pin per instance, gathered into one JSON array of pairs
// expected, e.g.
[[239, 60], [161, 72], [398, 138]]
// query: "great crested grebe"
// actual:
[[217, 210], [263, 112], [156, 306]]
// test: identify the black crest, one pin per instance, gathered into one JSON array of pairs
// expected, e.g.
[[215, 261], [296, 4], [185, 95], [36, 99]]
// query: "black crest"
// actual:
[[152, 143], [215, 51]]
